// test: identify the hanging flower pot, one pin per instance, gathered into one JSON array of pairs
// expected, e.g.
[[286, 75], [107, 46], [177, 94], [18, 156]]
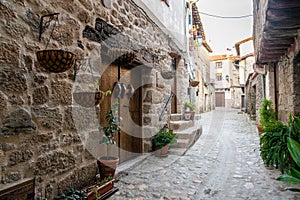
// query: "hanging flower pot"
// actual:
[[56, 60], [88, 99], [168, 74], [194, 83], [53, 60]]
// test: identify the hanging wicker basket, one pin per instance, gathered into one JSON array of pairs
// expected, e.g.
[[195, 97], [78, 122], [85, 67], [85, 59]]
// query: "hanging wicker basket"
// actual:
[[194, 83], [88, 99], [168, 75], [56, 61]]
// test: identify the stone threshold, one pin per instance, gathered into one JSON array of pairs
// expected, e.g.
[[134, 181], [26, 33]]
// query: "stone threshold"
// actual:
[[127, 165]]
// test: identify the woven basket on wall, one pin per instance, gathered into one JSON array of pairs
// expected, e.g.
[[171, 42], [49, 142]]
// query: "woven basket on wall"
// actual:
[[194, 83], [56, 60]]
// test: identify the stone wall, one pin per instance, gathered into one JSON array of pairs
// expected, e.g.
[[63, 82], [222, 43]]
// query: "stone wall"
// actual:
[[254, 95], [289, 84], [43, 132]]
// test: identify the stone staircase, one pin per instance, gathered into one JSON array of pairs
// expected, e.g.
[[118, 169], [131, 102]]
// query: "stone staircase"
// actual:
[[187, 131]]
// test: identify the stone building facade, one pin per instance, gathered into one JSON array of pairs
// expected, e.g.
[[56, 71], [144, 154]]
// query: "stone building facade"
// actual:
[[277, 45], [46, 134], [199, 51], [254, 95]]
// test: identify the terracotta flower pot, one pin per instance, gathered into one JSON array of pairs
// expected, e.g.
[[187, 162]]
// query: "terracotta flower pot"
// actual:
[[94, 191], [260, 128], [107, 166], [161, 152], [56, 60]]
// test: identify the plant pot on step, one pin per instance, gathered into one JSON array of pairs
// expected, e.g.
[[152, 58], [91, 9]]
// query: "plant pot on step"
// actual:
[[161, 152], [189, 115], [259, 128], [107, 166], [88, 99], [56, 61]]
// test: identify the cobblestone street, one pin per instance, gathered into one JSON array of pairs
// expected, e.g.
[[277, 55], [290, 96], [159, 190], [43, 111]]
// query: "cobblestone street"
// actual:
[[223, 164]]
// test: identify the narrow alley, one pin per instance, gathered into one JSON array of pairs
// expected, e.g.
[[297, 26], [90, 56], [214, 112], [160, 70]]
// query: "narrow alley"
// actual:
[[223, 164]]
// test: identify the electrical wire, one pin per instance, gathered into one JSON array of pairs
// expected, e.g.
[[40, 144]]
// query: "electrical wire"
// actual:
[[223, 17]]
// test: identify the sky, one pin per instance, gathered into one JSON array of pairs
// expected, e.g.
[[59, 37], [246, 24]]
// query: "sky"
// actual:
[[224, 33]]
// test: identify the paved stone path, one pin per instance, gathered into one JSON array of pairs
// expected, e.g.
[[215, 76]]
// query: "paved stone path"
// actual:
[[223, 164]]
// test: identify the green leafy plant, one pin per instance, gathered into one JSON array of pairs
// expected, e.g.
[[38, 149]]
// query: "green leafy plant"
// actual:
[[294, 127], [267, 113], [111, 128], [273, 145], [95, 187], [190, 105], [164, 137], [293, 175], [72, 195]]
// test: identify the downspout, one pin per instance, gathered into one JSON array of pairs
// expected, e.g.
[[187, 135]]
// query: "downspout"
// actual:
[[263, 86], [275, 90]]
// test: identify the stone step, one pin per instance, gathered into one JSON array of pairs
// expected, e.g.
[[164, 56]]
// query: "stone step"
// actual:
[[177, 151], [186, 138], [181, 125], [197, 116], [176, 117], [183, 134], [181, 143]]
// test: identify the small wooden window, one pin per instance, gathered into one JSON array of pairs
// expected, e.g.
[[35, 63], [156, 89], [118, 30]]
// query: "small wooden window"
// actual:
[[218, 65]]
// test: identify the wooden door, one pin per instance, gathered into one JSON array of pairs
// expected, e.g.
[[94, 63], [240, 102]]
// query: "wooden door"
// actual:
[[129, 140], [220, 99]]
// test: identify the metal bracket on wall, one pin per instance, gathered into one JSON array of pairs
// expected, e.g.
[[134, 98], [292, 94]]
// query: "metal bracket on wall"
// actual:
[[165, 107], [43, 25]]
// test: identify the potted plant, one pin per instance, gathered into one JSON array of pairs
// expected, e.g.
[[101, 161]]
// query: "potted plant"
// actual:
[[107, 164], [100, 189], [267, 115], [161, 141], [72, 194], [189, 113]]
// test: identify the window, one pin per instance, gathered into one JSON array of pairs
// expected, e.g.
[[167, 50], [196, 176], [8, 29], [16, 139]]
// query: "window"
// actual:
[[218, 64], [219, 77]]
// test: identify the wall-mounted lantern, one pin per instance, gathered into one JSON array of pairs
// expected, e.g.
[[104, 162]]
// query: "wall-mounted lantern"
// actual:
[[227, 78]]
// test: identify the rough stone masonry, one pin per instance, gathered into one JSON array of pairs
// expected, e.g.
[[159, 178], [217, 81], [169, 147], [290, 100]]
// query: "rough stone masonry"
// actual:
[[38, 134]]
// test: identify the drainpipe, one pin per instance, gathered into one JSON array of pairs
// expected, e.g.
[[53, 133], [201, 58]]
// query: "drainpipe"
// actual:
[[275, 90], [263, 86]]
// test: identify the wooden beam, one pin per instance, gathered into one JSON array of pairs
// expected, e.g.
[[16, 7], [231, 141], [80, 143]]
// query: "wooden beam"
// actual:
[[284, 3], [272, 52], [282, 25], [288, 33], [291, 14], [279, 41], [274, 46]]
